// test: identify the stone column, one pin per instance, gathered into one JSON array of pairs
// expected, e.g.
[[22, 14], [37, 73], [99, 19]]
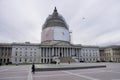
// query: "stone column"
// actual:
[[58, 51], [66, 52], [62, 52], [75, 52], [55, 51], [49, 53], [52, 51], [40, 55], [43, 54], [69, 52], [72, 52], [79, 54], [6, 52]]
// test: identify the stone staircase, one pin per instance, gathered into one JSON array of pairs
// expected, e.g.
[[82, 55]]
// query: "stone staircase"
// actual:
[[66, 60], [56, 59], [76, 59]]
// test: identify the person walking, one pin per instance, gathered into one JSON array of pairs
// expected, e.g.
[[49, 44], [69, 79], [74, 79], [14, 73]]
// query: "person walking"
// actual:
[[69, 62], [33, 68]]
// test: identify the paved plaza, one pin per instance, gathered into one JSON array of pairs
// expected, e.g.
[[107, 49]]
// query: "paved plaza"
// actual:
[[23, 72]]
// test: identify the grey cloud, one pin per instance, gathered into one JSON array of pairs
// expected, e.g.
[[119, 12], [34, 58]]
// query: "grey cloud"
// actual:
[[22, 20]]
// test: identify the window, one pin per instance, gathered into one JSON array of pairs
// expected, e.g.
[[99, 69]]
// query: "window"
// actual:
[[20, 60], [30, 60], [63, 33], [34, 59], [90, 59], [16, 53], [15, 59], [25, 54], [25, 60], [86, 59], [30, 53], [41, 60]]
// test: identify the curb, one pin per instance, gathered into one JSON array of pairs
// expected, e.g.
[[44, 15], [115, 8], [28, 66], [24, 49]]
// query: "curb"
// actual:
[[68, 68]]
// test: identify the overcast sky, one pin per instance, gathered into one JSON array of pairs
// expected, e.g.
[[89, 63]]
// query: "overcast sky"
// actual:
[[92, 22]]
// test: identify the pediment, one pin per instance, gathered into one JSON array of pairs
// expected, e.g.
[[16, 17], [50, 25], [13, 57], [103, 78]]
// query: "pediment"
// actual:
[[62, 44]]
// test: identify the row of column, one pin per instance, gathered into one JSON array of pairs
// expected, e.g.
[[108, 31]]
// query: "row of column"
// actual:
[[5, 51], [5, 54], [49, 52]]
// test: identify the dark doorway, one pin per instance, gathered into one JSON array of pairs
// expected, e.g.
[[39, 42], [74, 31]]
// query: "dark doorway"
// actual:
[[4, 60], [7, 60], [60, 54]]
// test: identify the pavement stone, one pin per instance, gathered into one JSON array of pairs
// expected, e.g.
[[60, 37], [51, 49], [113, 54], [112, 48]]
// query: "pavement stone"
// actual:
[[23, 72]]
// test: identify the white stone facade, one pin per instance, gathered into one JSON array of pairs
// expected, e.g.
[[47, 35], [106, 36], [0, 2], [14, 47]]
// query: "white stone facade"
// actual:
[[5, 53], [37, 53], [90, 54], [25, 53], [110, 54]]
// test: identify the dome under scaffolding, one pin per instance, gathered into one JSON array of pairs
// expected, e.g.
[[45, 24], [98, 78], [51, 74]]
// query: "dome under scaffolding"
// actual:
[[55, 29], [55, 20]]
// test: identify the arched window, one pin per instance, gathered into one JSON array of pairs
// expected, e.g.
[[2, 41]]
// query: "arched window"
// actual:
[[41, 60], [7, 60]]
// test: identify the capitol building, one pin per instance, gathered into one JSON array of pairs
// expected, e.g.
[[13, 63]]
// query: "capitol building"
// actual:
[[55, 47]]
